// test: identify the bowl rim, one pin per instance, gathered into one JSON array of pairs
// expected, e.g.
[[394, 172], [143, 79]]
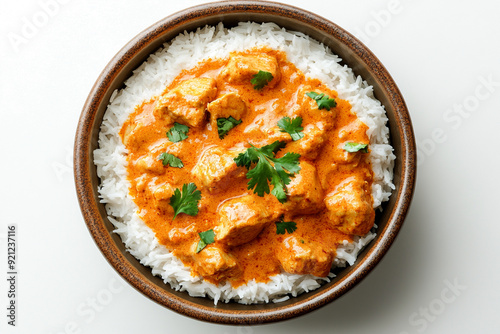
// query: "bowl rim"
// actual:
[[92, 209]]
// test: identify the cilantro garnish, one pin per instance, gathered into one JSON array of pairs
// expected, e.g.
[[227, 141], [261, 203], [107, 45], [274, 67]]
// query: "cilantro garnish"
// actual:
[[261, 79], [226, 124], [292, 126], [178, 132], [169, 159], [356, 147], [323, 101], [206, 238], [268, 168], [283, 227], [187, 201]]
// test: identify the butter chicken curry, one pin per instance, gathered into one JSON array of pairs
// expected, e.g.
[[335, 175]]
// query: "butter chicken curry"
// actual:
[[245, 168]]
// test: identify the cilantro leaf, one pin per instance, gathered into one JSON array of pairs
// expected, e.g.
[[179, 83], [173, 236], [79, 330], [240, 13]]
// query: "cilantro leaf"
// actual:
[[226, 124], [169, 159], [268, 169], [251, 154], [292, 126], [178, 132], [289, 162], [322, 100], [186, 201], [259, 176], [261, 79], [206, 238], [279, 190], [246, 158], [274, 147], [283, 227], [356, 147]]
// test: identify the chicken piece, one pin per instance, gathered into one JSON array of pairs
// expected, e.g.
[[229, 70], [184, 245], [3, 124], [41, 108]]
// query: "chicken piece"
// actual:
[[309, 146], [130, 133], [141, 183], [266, 135], [354, 132], [227, 105], [180, 234], [138, 129], [136, 133], [216, 168], [307, 107], [298, 256], [312, 103], [263, 129], [273, 134], [350, 207], [305, 194], [186, 103], [164, 145], [162, 195], [242, 219], [211, 262], [150, 164], [241, 68]]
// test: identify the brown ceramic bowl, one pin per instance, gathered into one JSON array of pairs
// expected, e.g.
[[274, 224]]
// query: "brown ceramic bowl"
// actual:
[[353, 53]]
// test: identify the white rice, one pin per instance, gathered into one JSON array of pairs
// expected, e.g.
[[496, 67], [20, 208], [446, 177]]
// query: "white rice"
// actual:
[[185, 51]]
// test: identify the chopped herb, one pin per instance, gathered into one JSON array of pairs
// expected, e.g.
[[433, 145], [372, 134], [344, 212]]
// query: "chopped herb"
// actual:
[[302, 240], [186, 201], [178, 132], [206, 238], [268, 168], [292, 126], [169, 159], [322, 100], [261, 79], [226, 124], [283, 227], [356, 147]]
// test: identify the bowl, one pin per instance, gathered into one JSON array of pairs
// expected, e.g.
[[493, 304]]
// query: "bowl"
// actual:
[[352, 52]]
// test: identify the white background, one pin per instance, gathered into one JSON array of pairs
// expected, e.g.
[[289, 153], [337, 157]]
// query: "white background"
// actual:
[[443, 56]]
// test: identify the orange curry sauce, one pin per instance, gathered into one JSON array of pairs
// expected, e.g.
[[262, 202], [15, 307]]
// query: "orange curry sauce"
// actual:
[[325, 168]]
